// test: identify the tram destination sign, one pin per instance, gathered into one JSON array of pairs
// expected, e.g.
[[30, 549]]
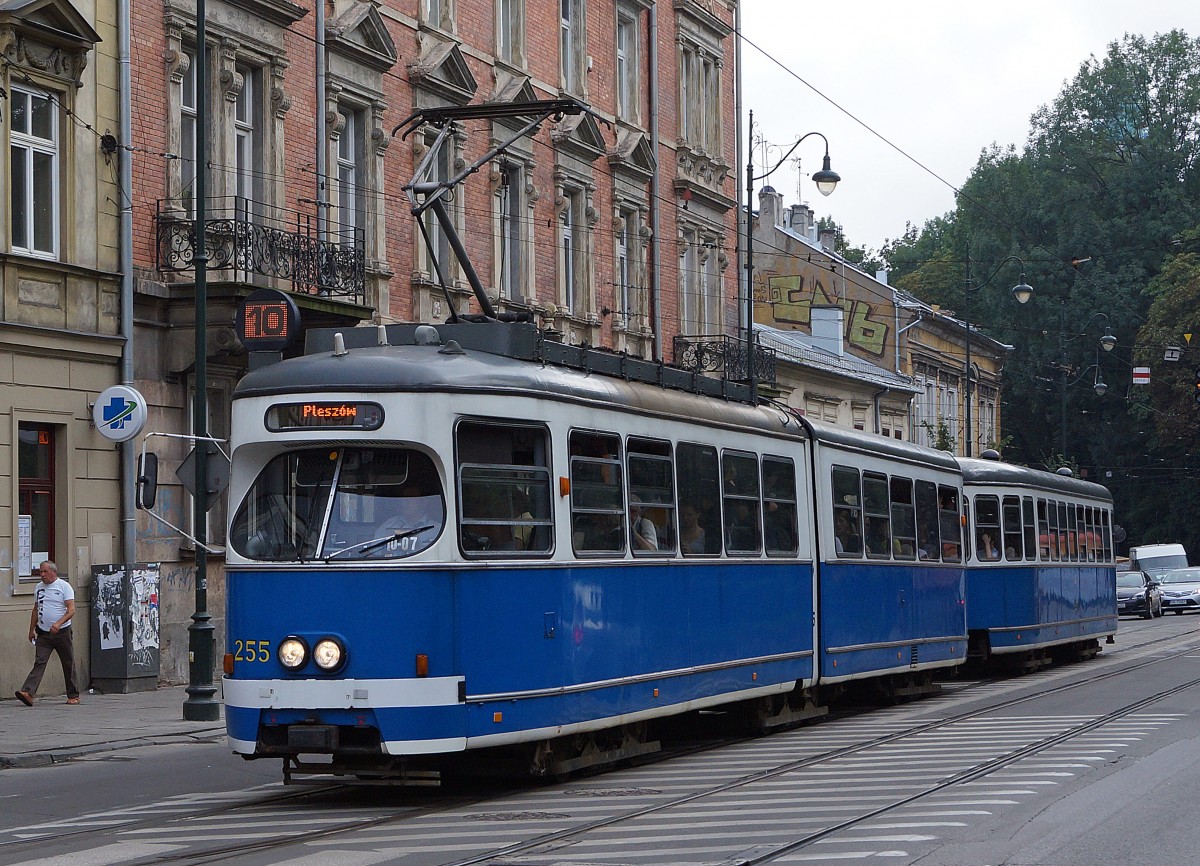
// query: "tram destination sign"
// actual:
[[324, 415]]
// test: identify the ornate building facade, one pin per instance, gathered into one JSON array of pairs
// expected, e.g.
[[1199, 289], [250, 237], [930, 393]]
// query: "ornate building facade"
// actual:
[[614, 227]]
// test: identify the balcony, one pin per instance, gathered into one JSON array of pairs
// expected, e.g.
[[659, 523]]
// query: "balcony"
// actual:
[[250, 238], [724, 355]]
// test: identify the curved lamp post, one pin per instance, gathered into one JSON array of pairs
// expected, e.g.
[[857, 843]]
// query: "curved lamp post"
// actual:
[[826, 180], [1023, 288]]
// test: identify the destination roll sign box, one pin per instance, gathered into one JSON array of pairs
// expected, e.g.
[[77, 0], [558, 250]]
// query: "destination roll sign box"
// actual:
[[325, 415]]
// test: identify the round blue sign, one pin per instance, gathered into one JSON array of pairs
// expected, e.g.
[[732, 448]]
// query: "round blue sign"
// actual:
[[119, 413]]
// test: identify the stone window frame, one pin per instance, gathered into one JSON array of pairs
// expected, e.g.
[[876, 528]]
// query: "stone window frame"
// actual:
[[455, 160], [702, 263], [633, 300], [33, 145], [572, 48], [700, 46], [65, 445], [510, 23], [440, 15], [628, 85], [230, 53], [520, 290], [573, 199], [51, 61], [342, 96]]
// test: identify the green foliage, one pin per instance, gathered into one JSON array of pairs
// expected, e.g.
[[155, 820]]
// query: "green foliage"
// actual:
[[1103, 205], [943, 436]]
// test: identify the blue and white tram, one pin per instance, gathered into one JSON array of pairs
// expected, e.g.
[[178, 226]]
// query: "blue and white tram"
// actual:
[[436, 549], [1041, 580], [892, 588]]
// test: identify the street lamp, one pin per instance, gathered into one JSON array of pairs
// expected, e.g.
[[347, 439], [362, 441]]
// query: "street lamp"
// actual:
[[826, 180], [1022, 288]]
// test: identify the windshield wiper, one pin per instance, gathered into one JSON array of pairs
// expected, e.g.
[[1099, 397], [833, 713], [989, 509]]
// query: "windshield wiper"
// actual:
[[366, 546]]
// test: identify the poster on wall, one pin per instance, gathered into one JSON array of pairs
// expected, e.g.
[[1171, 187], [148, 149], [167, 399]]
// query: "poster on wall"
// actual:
[[24, 545], [143, 609], [108, 610]]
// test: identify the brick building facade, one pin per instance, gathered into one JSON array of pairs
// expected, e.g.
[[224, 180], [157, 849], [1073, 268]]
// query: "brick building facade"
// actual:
[[616, 227]]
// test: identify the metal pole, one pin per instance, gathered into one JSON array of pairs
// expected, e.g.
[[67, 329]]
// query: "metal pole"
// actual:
[[1062, 362], [967, 370], [200, 705], [748, 308]]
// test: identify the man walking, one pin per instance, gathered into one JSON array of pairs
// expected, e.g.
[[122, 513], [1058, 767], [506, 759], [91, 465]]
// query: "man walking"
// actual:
[[50, 631]]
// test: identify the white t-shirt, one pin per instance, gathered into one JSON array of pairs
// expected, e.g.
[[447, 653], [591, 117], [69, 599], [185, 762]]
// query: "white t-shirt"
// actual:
[[52, 601]]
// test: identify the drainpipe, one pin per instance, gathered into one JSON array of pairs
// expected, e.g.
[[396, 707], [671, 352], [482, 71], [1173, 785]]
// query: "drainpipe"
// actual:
[[655, 208], [125, 182], [321, 144]]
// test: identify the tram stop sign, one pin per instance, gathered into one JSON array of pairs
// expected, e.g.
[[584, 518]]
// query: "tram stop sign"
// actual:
[[216, 470]]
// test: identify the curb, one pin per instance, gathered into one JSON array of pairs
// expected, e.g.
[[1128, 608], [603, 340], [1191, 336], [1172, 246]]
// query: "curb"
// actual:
[[46, 759]]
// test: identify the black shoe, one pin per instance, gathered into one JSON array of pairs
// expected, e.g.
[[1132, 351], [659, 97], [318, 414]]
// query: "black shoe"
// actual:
[[24, 697]]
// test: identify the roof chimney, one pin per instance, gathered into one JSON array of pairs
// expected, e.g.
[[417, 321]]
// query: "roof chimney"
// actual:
[[881, 275], [827, 327], [828, 238], [770, 207]]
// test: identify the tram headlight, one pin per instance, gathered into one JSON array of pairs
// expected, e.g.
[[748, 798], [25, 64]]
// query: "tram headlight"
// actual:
[[329, 654], [293, 653]]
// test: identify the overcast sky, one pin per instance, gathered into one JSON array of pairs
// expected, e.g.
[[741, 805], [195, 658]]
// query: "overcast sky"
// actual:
[[939, 79]]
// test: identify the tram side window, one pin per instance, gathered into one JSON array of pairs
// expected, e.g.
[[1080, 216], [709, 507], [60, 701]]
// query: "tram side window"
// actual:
[[740, 503], [950, 523], [504, 489], [1086, 554], [876, 516], [698, 480], [1051, 514], [1108, 554], [929, 545], [847, 512], [987, 528], [904, 520], [651, 497], [1014, 535], [779, 506], [1063, 545], [597, 504], [1031, 529]]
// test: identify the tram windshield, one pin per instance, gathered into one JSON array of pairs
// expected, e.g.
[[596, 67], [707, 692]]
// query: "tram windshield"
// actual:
[[341, 504]]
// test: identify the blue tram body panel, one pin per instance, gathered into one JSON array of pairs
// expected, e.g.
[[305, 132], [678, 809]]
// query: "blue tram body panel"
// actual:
[[880, 618], [535, 648]]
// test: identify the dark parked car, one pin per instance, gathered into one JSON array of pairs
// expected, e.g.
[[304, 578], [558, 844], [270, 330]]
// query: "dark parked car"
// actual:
[[1181, 589], [1137, 593]]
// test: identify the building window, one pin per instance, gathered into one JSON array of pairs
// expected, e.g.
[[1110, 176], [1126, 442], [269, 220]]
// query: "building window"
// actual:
[[509, 201], [350, 175], [510, 31], [699, 99], [571, 225], [246, 137], [34, 155], [627, 65], [437, 13], [700, 284], [624, 269], [36, 472], [572, 44], [187, 137], [437, 242]]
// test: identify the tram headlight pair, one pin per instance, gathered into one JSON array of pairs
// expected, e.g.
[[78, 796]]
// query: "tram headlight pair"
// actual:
[[328, 653]]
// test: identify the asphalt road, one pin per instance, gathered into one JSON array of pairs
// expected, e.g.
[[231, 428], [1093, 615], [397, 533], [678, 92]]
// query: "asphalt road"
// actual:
[[1086, 764]]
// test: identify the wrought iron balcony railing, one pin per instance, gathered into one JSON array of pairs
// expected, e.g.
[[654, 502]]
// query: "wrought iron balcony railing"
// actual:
[[720, 353], [248, 237]]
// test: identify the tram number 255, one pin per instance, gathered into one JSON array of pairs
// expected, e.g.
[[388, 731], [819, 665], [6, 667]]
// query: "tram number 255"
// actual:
[[251, 650]]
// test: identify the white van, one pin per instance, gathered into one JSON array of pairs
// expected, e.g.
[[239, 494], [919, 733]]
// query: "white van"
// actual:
[[1154, 559]]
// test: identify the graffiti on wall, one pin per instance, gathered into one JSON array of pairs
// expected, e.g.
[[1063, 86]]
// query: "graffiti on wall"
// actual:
[[791, 297]]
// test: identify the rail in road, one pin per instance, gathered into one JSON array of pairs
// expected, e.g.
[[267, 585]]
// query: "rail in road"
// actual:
[[883, 783]]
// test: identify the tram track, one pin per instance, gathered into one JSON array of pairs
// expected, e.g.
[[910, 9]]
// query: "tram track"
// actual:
[[450, 803], [542, 842]]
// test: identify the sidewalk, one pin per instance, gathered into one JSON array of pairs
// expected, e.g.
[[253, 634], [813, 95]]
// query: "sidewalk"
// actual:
[[50, 732]]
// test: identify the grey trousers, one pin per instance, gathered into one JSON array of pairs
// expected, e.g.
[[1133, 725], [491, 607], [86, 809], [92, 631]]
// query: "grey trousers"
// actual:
[[61, 643]]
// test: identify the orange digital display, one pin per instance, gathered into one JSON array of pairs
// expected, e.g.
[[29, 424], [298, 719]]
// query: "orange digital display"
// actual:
[[267, 321], [324, 415]]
